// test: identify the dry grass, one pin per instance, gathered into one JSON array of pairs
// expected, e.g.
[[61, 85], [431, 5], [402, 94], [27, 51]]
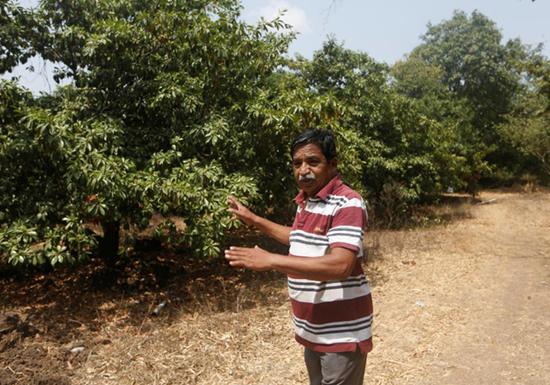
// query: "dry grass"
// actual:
[[222, 326], [198, 349], [255, 345]]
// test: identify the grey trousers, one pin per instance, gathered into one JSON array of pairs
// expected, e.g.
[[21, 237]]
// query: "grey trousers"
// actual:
[[346, 368]]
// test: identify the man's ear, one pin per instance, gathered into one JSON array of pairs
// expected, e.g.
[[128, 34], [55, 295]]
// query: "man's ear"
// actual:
[[333, 163]]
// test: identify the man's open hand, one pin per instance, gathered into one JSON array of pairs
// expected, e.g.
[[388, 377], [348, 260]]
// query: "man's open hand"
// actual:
[[240, 211], [253, 258]]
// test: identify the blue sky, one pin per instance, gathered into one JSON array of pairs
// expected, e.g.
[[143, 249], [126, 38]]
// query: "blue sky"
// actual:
[[385, 29], [388, 29]]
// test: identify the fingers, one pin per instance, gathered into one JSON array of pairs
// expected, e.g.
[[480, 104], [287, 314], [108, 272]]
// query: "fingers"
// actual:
[[237, 256], [249, 258], [236, 264], [239, 211], [231, 253], [237, 251], [233, 206], [233, 202]]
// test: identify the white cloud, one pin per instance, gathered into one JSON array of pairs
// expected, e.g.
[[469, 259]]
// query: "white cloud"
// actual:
[[293, 15]]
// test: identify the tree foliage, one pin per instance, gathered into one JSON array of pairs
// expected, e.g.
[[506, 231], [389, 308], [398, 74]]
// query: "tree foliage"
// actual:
[[476, 65], [174, 105], [391, 150], [527, 126], [157, 121], [483, 79], [16, 30]]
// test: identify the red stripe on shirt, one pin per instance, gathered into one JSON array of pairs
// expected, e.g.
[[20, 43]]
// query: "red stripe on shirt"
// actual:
[[337, 311]]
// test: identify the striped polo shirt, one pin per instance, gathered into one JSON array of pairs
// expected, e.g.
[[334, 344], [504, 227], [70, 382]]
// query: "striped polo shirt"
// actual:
[[331, 316]]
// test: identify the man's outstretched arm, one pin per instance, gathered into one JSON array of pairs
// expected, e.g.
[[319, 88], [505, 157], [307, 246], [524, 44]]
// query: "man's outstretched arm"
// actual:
[[273, 230], [336, 265]]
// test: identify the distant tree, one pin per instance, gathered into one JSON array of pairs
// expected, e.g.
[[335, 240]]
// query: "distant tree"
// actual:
[[527, 126], [423, 85], [481, 74], [476, 65], [392, 151]]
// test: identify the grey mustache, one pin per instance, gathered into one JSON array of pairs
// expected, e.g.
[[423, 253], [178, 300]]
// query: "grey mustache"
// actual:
[[305, 178]]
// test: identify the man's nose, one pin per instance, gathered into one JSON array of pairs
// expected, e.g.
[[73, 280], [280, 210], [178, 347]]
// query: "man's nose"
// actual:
[[304, 169]]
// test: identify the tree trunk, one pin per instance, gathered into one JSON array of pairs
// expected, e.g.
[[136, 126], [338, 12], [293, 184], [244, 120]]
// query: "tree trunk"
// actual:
[[108, 246]]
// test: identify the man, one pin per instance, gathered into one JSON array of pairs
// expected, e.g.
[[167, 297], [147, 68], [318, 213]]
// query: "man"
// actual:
[[330, 297]]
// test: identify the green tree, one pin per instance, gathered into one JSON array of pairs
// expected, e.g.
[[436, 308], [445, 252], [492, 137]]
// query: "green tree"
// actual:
[[159, 119], [483, 80], [527, 126], [423, 85], [476, 65], [388, 147], [17, 25]]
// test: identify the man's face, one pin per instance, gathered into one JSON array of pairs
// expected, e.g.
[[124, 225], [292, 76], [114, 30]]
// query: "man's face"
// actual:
[[311, 169]]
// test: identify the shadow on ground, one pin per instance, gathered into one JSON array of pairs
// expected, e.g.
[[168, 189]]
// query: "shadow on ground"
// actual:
[[50, 319], [47, 317]]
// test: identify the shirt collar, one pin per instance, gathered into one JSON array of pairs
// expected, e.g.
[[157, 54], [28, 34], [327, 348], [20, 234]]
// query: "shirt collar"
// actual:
[[323, 194]]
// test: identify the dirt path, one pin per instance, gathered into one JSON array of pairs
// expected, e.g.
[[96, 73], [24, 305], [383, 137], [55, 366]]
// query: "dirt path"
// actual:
[[461, 304], [475, 307]]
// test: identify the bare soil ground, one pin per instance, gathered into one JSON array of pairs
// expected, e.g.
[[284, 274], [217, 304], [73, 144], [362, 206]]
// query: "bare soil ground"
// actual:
[[466, 302]]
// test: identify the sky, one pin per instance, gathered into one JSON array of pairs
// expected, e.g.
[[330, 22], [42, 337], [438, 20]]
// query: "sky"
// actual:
[[389, 29], [385, 29]]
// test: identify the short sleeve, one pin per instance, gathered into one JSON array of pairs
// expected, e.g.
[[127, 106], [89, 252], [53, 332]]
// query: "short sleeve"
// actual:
[[348, 224]]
